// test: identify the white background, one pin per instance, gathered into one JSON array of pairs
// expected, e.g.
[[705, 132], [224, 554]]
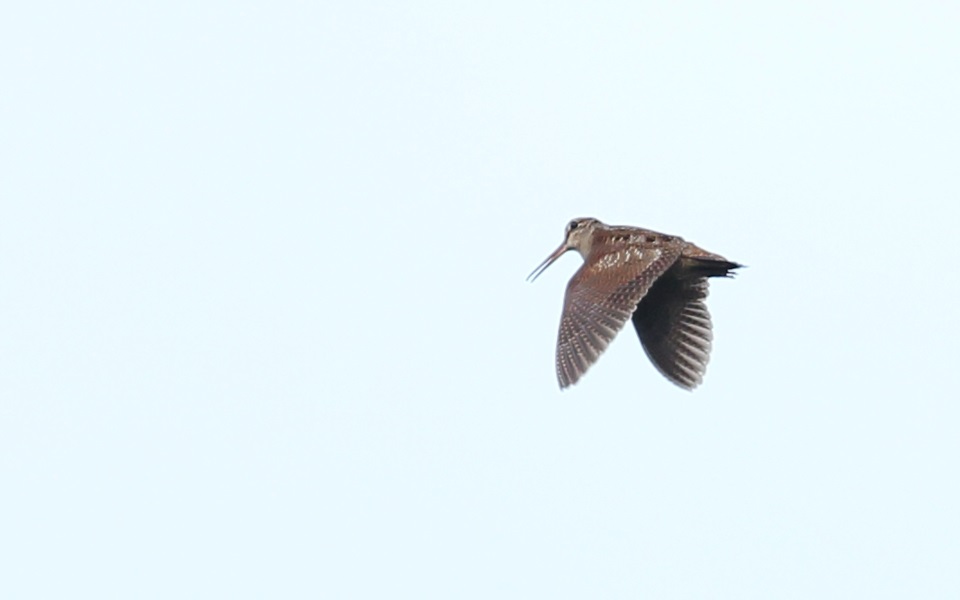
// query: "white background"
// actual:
[[264, 329]]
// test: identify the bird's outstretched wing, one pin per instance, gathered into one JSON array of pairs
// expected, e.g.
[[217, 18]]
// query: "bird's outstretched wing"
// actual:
[[601, 297], [674, 327]]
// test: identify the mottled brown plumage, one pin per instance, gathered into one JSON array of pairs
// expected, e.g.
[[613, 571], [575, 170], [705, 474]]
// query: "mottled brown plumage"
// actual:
[[656, 280]]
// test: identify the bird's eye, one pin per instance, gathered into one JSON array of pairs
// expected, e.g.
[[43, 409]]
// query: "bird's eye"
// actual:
[[573, 225]]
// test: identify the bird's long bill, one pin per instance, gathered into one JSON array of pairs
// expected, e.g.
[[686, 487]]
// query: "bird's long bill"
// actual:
[[546, 263]]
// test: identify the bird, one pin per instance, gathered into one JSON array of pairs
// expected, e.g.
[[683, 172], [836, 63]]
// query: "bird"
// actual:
[[658, 281]]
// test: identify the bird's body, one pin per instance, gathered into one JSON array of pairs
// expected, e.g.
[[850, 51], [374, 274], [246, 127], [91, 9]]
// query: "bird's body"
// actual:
[[656, 280]]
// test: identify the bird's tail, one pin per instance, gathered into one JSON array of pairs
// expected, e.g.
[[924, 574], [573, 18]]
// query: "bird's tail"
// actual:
[[709, 267]]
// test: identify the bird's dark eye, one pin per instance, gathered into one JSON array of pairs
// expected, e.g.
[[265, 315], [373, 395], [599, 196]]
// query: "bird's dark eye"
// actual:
[[573, 225]]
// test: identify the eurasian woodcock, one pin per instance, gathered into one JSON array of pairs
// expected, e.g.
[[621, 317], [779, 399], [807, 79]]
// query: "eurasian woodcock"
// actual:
[[657, 280]]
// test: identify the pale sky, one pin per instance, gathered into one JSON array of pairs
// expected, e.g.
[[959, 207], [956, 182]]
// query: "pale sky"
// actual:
[[265, 331]]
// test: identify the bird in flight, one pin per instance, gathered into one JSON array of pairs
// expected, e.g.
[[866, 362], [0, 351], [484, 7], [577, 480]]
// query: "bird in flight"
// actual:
[[658, 281]]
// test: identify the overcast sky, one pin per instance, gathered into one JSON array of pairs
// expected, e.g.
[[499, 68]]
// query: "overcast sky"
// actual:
[[264, 329]]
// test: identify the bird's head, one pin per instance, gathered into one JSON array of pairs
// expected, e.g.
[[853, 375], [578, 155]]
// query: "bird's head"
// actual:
[[579, 237]]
